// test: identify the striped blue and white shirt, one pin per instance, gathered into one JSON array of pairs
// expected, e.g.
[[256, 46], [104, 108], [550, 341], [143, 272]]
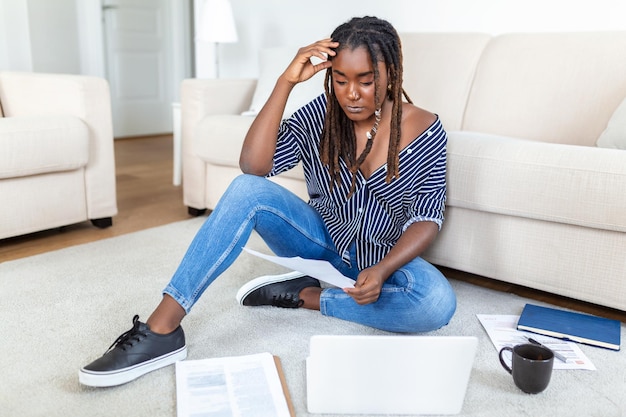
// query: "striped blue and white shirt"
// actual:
[[377, 214]]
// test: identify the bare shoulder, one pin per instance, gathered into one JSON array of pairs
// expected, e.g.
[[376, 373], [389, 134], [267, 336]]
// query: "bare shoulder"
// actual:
[[415, 121]]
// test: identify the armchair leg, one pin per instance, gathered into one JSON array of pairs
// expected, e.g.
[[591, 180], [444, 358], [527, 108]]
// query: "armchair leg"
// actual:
[[195, 211], [102, 223]]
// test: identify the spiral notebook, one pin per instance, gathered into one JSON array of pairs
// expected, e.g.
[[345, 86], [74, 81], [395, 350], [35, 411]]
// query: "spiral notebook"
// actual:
[[577, 327]]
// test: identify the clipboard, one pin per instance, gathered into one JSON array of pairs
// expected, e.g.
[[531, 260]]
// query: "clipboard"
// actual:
[[283, 383], [213, 384]]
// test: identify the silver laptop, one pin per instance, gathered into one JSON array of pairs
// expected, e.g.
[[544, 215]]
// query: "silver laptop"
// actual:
[[394, 374]]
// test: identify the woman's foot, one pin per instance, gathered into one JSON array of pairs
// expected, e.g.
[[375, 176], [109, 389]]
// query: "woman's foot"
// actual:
[[134, 353], [285, 290]]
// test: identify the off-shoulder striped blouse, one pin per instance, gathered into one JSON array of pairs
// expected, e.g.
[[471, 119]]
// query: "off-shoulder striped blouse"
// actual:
[[377, 214]]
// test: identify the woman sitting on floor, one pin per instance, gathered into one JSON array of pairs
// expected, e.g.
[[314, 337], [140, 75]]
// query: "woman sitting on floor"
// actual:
[[375, 169]]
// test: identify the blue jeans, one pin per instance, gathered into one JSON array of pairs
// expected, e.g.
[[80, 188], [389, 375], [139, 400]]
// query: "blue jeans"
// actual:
[[416, 298]]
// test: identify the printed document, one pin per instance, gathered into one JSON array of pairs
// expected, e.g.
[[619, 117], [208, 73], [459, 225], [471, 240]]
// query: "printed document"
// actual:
[[502, 330], [243, 386], [321, 270]]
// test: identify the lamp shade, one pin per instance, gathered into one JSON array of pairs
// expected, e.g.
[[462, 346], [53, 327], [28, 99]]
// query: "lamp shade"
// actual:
[[217, 22]]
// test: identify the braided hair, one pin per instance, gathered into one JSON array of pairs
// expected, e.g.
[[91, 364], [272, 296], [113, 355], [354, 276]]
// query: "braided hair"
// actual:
[[338, 140]]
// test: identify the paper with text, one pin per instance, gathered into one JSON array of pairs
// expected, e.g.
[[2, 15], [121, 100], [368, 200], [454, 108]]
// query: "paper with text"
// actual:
[[245, 386], [319, 269], [502, 330]]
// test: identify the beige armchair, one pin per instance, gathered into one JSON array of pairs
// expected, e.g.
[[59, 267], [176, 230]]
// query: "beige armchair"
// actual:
[[57, 162]]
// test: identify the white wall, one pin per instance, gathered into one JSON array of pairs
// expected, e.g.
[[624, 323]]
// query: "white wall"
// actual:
[[39, 35], [53, 43], [270, 23], [91, 37], [54, 36], [14, 36]]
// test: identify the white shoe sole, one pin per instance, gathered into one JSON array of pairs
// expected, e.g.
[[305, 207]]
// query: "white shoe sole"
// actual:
[[122, 376], [259, 282]]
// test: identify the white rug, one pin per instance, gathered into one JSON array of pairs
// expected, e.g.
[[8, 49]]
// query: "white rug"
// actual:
[[62, 309]]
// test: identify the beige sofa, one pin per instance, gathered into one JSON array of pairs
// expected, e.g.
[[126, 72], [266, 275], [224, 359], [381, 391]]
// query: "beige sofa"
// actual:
[[57, 162], [536, 176]]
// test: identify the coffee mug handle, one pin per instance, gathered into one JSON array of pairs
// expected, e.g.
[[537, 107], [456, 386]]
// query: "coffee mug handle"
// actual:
[[504, 365]]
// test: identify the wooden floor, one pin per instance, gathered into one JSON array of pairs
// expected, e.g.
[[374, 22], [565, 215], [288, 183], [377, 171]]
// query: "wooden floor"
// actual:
[[147, 198]]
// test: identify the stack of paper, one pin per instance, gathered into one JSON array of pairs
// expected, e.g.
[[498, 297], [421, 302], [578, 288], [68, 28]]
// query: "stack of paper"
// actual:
[[502, 330], [249, 385]]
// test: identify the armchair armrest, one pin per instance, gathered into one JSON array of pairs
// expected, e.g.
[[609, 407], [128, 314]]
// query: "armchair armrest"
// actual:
[[201, 98], [85, 97], [216, 96]]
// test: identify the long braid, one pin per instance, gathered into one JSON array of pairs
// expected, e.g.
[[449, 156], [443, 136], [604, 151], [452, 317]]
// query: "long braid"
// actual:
[[338, 139]]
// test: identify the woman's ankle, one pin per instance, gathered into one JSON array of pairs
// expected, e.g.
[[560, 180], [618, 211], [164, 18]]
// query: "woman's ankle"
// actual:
[[311, 297], [161, 328], [166, 317]]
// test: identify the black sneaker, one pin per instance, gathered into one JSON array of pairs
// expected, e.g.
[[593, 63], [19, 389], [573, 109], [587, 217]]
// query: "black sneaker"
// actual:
[[276, 290], [136, 352]]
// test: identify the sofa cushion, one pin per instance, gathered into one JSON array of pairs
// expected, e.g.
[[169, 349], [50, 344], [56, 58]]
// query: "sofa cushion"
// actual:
[[439, 69], [31, 145], [544, 181], [550, 87], [614, 136], [273, 62], [218, 140]]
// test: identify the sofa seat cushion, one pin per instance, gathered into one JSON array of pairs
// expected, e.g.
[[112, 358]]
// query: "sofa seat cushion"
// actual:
[[31, 145], [560, 183], [218, 140]]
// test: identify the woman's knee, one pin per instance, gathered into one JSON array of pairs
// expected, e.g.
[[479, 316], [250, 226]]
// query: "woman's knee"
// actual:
[[434, 300], [441, 309], [248, 190], [429, 313], [244, 183]]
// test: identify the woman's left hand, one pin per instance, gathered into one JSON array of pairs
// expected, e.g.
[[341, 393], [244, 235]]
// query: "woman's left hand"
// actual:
[[367, 287]]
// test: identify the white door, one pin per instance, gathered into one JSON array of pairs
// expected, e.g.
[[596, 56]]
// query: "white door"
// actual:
[[139, 65]]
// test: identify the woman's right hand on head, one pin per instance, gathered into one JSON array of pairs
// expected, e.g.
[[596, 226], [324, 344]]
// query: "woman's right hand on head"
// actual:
[[301, 68], [258, 149]]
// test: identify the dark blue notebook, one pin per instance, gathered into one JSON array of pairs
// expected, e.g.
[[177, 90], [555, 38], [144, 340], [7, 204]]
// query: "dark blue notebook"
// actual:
[[577, 327]]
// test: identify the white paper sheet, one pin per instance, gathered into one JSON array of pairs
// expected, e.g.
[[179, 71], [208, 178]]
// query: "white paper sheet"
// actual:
[[321, 270], [502, 330], [245, 386]]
